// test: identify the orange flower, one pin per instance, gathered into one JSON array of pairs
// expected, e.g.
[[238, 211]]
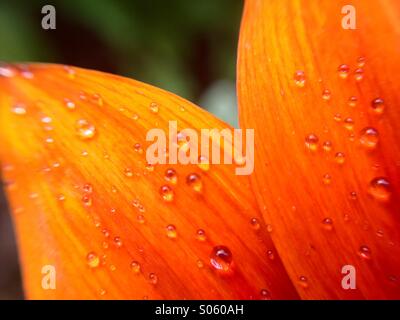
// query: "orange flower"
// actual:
[[323, 194]]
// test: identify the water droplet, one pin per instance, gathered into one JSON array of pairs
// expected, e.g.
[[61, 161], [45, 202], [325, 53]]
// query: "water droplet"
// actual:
[[69, 104], [171, 176], [255, 223], [269, 228], [299, 78], [327, 224], [348, 123], [118, 242], [171, 231], [135, 266], [369, 137], [359, 74], [88, 188], [265, 294], [365, 252], [361, 61], [303, 281], [380, 189], [96, 98], [128, 172], [343, 70], [167, 193], [141, 219], [352, 101], [153, 279], [138, 148], [337, 117], [312, 142], [340, 157], [84, 129], [353, 195], [327, 146], [270, 255], [194, 181], [87, 200], [201, 235], [200, 264], [154, 107], [204, 163], [19, 109], [326, 179], [93, 260], [378, 105], [326, 95], [221, 258]]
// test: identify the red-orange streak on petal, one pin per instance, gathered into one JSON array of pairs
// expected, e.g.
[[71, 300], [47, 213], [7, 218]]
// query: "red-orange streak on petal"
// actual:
[[46, 187], [277, 39]]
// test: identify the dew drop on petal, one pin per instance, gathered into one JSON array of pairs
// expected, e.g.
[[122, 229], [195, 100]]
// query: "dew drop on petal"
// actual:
[[299, 78], [171, 176], [369, 137], [327, 224], [84, 129], [135, 266], [348, 123], [19, 109], [365, 252], [194, 181], [221, 258], [327, 146], [153, 279], [93, 260], [118, 242], [380, 189], [255, 224], [326, 95], [167, 193], [352, 101], [378, 105], [340, 157], [359, 74], [361, 61], [201, 235], [204, 163], [270, 255], [311, 142], [327, 179], [265, 294], [303, 281], [343, 71], [69, 104], [171, 231], [154, 107]]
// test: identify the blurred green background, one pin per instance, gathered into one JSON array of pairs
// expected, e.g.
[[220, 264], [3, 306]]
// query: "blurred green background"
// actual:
[[184, 46]]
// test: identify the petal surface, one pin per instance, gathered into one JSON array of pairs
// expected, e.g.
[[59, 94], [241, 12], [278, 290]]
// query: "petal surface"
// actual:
[[86, 202], [324, 103]]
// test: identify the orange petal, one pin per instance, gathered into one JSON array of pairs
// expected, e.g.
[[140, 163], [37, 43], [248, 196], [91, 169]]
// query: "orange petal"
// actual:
[[85, 201], [326, 215]]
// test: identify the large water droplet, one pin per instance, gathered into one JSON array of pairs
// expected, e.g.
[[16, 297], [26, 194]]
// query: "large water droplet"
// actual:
[[93, 260], [369, 137], [380, 189], [221, 258]]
